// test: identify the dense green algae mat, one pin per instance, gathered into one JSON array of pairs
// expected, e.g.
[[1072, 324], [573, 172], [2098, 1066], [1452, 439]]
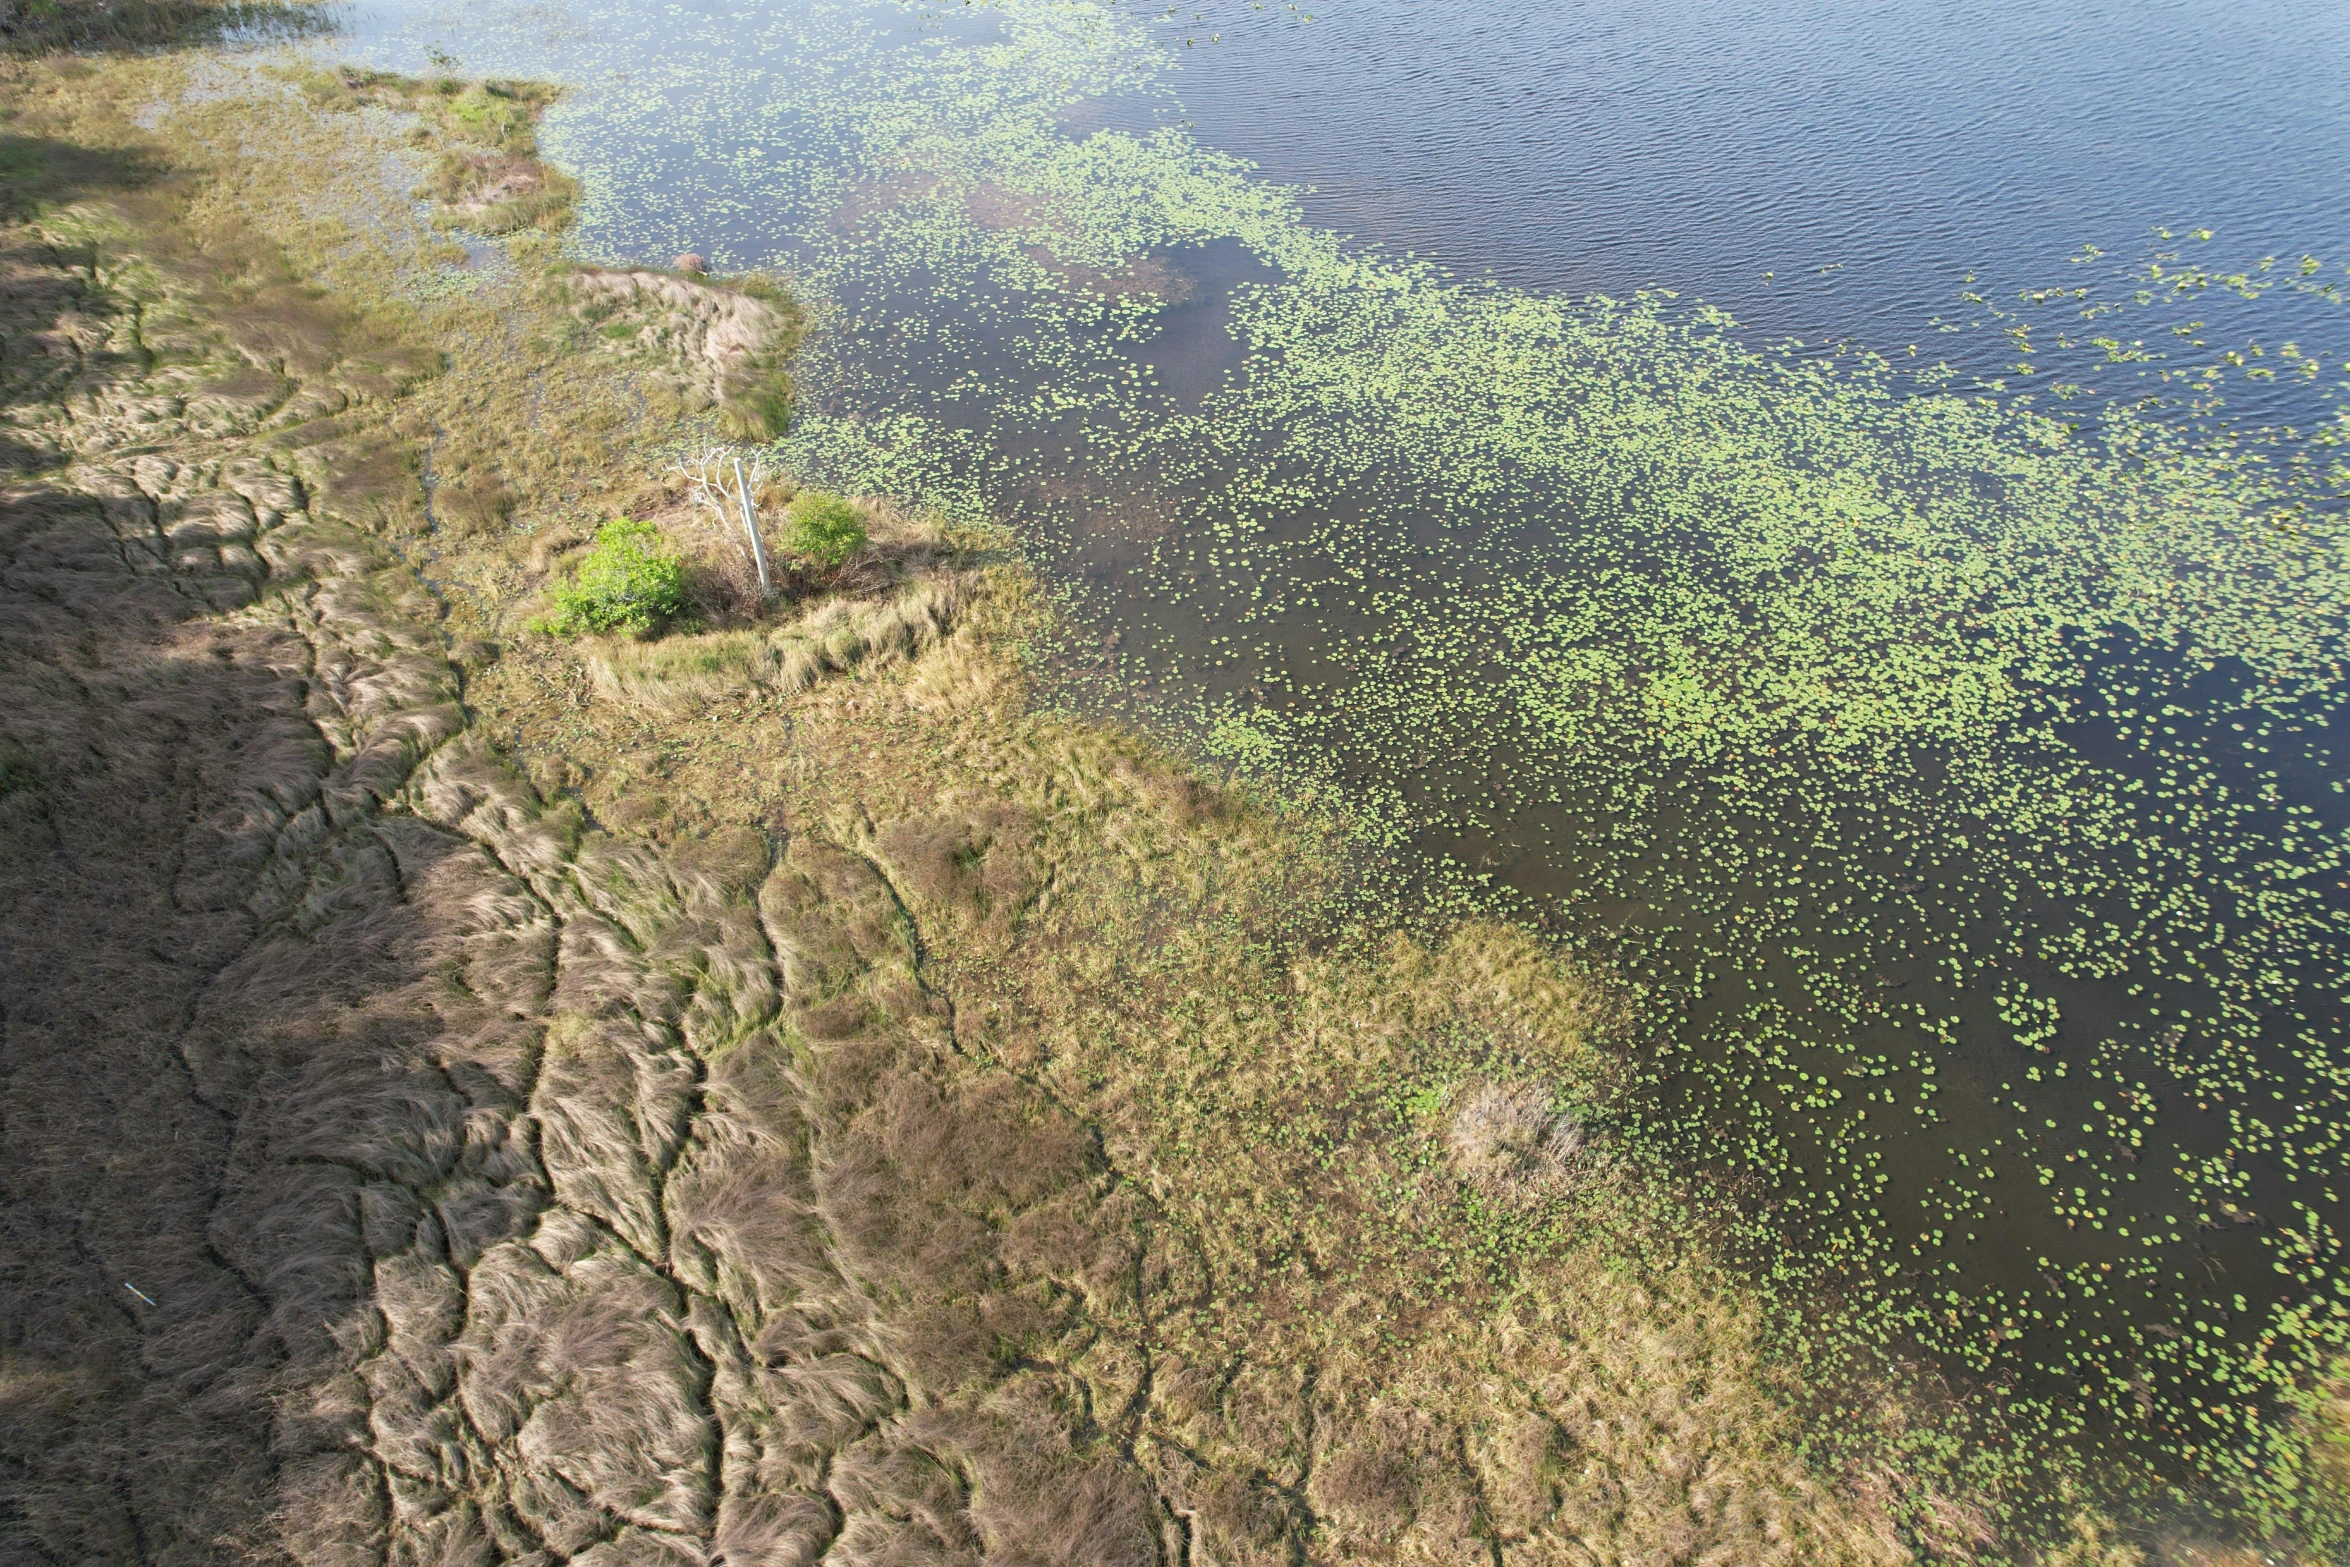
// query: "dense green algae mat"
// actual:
[[1952, 764]]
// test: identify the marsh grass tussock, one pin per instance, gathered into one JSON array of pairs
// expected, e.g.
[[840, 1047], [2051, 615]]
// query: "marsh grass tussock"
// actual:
[[679, 673], [1511, 1143]]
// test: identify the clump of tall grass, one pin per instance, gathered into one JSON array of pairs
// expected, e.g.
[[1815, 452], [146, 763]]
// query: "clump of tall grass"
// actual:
[[1511, 1143], [732, 341], [684, 672], [755, 391]]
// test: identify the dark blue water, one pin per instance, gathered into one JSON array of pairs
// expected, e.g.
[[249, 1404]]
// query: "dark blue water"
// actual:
[[1821, 168]]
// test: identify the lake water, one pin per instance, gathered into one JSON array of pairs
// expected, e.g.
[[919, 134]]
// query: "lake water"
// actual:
[[1949, 752], [1604, 148]]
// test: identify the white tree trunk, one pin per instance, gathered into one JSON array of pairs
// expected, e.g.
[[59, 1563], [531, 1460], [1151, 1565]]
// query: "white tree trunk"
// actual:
[[742, 495]]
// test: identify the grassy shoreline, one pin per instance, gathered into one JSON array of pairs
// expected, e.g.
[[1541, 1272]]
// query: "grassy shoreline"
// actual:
[[1020, 1159]]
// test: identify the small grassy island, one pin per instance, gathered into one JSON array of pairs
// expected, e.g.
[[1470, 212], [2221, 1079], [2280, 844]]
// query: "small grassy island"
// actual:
[[563, 1002]]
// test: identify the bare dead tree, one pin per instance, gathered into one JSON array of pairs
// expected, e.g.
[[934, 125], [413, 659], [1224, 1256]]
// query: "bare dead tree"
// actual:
[[706, 480], [742, 495]]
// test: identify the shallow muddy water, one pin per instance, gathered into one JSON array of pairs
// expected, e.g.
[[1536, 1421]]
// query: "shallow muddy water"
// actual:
[[1950, 752]]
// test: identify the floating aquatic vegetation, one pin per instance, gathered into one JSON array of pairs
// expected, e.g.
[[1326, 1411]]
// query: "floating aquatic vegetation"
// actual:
[[1950, 762]]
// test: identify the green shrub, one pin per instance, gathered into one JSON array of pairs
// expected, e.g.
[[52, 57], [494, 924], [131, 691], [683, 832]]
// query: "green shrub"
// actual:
[[822, 527], [627, 582]]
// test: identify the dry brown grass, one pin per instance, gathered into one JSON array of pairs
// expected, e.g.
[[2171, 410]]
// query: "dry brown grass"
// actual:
[[690, 672], [1510, 1142], [723, 349]]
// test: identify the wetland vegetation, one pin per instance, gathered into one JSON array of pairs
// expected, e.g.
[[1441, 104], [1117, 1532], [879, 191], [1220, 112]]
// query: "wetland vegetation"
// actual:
[[590, 1044], [1947, 753]]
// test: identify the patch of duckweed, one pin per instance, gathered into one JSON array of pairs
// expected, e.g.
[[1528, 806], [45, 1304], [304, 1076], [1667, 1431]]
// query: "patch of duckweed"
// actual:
[[1947, 758]]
